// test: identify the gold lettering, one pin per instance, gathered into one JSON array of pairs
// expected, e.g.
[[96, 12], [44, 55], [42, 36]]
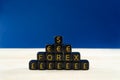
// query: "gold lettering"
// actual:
[[58, 48], [58, 39], [41, 65], [33, 66], [48, 48], [67, 57], [49, 57], [76, 65], [40, 57], [58, 57], [59, 65], [85, 66], [67, 65], [50, 66], [68, 49], [76, 57]]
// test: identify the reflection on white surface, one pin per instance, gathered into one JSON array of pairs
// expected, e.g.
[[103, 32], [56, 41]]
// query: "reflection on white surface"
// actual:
[[104, 65]]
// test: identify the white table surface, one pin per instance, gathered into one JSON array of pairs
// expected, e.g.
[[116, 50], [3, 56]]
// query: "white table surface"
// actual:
[[104, 65]]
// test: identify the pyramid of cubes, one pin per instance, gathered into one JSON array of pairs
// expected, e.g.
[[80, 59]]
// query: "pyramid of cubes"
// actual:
[[58, 56]]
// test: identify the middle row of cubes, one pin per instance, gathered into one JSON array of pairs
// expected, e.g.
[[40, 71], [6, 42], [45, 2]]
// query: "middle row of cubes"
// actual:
[[61, 48], [44, 56]]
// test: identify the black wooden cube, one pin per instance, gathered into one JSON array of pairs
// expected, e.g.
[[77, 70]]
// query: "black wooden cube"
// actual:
[[41, 65], [41, 56], [67, 48], [58, 48], [67, 65], [75, 56], [59, 65], [33, 65], [50, 65], [59, 57], [76, 65], [67, 57], [49, 48], [50, 56], [58, 40], [84, 64]]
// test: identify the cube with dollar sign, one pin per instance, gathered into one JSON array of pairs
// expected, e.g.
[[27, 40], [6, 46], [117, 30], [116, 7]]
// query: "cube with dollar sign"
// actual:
[[58, 40]]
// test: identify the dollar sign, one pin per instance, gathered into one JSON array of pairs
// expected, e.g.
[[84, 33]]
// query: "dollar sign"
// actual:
[[58, 39]]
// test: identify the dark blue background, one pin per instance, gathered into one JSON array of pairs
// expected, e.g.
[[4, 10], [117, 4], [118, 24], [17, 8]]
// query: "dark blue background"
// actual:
[[82, 23]]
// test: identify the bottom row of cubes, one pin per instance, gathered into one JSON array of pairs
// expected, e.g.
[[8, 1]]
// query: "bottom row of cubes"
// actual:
[[59, 65]]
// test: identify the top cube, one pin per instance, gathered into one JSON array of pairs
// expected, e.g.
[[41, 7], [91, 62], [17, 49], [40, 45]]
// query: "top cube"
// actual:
[[58, 40]]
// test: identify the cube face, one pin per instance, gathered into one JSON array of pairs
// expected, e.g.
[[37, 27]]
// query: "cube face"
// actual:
[[58, 48], [50, 65], [58, 40], [41, 56], [84, 64], [67, 49], [50, 56], [67, 57], [76, 65], [33, 65], [41, 65], [59, 65], [75, 56], [49, 48], [67, 65], [59, 57]]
